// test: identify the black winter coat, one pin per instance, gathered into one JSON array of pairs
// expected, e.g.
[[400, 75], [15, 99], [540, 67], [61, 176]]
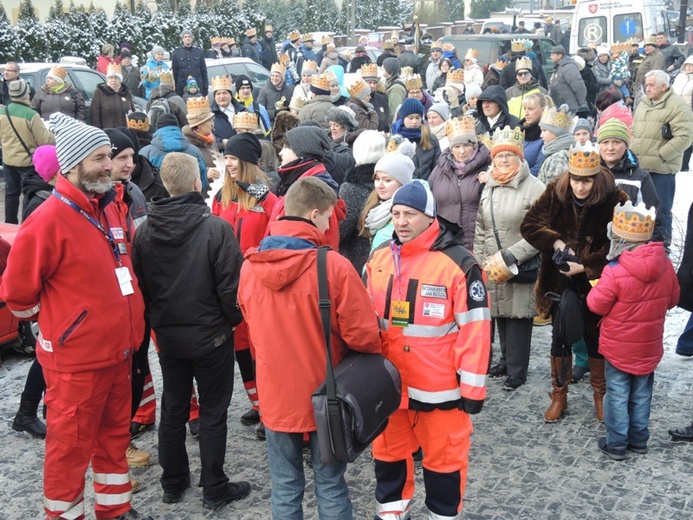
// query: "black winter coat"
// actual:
[[189, 61], [355, 190], [109, 108], [379, 102], [188, 264], [248, 50], [685, 273], [497, 94], [148, 179], [269, 52], [35, 191]]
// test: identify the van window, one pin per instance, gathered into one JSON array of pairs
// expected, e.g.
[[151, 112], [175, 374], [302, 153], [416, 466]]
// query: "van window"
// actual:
[[628, 26], [592, 30], [89, 79]]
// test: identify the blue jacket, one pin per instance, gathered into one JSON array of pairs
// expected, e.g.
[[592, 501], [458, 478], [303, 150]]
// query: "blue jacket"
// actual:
[[155, 67], [171, 139], [533, 155]]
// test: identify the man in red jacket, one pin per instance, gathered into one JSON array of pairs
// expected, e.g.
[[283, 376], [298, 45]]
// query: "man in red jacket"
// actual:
[[279, 279], [70, 266]]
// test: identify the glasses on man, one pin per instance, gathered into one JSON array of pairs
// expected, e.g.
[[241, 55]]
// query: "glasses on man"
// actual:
[[523, 74], [11, 70]]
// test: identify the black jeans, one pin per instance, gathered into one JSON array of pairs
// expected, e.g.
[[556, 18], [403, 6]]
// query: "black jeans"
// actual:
[[214, 376], [515, 335], [13, 189], [35, 385], [140, 369]]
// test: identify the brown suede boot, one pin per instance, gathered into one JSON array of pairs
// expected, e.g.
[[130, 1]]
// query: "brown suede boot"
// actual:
[[598, 383], [561, 368]]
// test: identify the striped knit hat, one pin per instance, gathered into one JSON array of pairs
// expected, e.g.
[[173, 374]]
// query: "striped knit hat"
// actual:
[[614, 129], [74, 140]]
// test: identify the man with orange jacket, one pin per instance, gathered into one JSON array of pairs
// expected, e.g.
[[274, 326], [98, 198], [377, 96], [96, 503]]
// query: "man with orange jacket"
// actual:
[[430, 297], [279, 279], [70, 265]]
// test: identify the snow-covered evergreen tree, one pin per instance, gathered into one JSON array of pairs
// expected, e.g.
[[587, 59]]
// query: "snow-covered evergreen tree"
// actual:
[[8, 38], [31, 40]]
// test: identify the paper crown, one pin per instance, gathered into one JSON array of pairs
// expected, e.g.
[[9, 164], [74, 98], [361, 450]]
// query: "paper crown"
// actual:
[[523, 63], [229, 41], [308, 37], [198, 110], [217, 40], [245, 121], [561, 118], [251, 32], [369, 70], [472, 53], [293, 36], [391, 146], [650, 40], [166, 77], [448, 47], [297, 103], [519, 45], [460, 126], [285, 59], [114, 68], [618, 48], [437, 45], [309, 67], [221, 83], [268, 28], [279, 68], [583, 160], [358, 89], [325, 40], [395, 35], [138, 121], [57, 70], [500, 64], [485, 139], [197, 103], [508, 140], [406, 71], [413, 82], [321, 81], [455, 77], [634, 223]]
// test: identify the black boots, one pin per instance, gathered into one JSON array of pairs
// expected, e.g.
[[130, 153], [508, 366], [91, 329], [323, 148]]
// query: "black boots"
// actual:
[[26, 419]]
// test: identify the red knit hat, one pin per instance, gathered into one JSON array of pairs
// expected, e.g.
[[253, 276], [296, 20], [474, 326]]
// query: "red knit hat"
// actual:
[[46, 162]]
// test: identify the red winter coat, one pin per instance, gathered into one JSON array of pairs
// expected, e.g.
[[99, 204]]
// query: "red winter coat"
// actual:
[[278, 294], [63, 268], [633, 296], [249, 226]]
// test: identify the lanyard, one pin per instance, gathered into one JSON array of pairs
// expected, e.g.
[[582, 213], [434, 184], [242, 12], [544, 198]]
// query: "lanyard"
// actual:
[[106, 233], [397, 260]]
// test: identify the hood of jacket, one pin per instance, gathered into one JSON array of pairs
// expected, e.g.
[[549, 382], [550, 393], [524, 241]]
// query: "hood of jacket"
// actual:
[[361, 174], [287, 252], [142, 175], [172, 220], [32, 184], [160, 92], [645, 263], [493, 93], [170, 139]]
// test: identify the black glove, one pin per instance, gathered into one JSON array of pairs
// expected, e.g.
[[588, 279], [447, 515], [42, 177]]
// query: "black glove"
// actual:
[[470, 406], [258, 191], [508, 258], [561, 257]]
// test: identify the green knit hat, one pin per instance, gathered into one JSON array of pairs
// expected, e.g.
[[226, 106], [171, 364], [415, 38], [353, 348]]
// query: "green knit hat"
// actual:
[[614, 129]]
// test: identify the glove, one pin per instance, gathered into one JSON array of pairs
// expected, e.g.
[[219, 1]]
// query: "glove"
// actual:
[[562, 257], [470, 406], [508, 258], [258, 191]]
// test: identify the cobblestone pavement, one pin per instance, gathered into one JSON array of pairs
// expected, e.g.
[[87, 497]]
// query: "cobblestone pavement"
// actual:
[[519, 468]]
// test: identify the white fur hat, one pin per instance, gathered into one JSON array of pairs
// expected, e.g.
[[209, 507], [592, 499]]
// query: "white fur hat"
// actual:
[[369, 147]]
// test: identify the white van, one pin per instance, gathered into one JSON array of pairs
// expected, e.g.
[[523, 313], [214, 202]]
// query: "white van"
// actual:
[[605, 22]]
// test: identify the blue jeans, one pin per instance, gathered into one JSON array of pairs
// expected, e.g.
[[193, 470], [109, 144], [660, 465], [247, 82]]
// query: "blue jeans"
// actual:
[[627, 408], [665, 185], [684, 346], [285, 456]]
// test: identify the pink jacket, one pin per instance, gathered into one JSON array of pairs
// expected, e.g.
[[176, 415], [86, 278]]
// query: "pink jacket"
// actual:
[[633, 296]]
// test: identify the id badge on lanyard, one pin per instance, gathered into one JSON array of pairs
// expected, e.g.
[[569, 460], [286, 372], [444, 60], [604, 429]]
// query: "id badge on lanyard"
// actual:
[[399, 309]]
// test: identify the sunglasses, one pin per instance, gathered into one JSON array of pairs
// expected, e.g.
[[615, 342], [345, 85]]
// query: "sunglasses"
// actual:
[[522, 74]]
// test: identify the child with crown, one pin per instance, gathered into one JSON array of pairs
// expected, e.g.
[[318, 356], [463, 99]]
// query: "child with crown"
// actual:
[[633, 295]]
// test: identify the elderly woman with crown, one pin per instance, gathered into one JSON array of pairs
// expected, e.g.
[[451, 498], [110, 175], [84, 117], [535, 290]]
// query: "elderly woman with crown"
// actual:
[[509, 260], [111, 101], [567, 224], [58, 95]]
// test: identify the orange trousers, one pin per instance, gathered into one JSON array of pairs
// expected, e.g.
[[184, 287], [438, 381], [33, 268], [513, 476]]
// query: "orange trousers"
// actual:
[[444, 437]]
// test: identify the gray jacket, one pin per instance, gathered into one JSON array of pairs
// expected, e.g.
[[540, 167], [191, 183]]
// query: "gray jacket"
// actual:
[[270, 95], [567, 85]]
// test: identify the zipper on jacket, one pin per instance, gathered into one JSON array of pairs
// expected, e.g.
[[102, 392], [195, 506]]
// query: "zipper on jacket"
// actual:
[[72, 327], [238, 230]]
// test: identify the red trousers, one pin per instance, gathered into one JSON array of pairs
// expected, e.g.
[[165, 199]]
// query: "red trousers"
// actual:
[[245, 357], [444, 437], [88, 421]]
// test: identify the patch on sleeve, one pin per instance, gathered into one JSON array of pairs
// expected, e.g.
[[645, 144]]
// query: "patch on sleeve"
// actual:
[[477, 291], [434, 291], [434, 310]]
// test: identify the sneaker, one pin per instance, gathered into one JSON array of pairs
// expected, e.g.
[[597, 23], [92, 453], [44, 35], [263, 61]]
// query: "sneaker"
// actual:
[[613, 453], [250, 417], [640, 450], [497, 371], [684, 434], [540, 322], [137, 458], [135, 486], [579, 373], [194, 427], [512, 384], [133, 515], [137, 429], [234, 491], [260, 432]]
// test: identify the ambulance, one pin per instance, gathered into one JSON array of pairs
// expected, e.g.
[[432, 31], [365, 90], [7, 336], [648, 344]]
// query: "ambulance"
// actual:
[[605, 22]]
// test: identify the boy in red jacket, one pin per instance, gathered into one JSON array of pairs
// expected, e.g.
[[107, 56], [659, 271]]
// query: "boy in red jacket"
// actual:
[[633, 295]]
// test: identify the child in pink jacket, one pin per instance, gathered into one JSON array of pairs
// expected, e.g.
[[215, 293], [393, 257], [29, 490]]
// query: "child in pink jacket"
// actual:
[[633, 295]]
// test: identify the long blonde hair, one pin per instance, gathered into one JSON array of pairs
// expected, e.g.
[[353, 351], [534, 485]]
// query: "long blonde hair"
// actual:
[[230, 192], [372, 201], [425, 141]]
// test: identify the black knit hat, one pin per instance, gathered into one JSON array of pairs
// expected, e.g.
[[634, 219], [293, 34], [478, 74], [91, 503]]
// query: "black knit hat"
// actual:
[[245, 146], [167, 120], [308, 142], [243, 81], [119, 141]]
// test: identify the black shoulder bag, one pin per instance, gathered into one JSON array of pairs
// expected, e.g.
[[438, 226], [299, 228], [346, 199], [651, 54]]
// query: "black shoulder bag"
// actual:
[[528, 271], [358, 396]]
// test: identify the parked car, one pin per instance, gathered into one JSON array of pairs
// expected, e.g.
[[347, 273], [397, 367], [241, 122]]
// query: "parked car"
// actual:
[[492, 46]]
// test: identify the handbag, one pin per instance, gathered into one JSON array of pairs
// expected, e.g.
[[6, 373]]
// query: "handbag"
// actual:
[[353, 404], [527, 271], [568, 317]]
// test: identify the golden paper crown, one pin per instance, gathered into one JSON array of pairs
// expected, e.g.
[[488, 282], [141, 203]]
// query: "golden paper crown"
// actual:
[[651, 40], [166, 77], [455, 76], [508, 139], [198, 110], [285, 59], [406, 71], [325, 40], [245, 121], [472, 53], [500, 64], [251, 32], [229, 41], [221, 83], [321, 81], [309, 67], [358, 89], [59, 71], [391, 146], [460, 126], [394, 35], [138, 121], [308, 37], [583, 160], [437, 45], [217, 40], [485, 139], [197, 103], [387, 44], [268, 28], [448, 47], [561, 118], [114, 68], [618, 48], [634, 223], [523, 63], [369, 70], [519, 45], [413, 82], [278, 67], [297, 103], [294, 35]]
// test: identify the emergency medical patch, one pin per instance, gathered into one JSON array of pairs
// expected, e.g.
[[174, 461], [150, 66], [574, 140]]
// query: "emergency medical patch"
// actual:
[[434, 310], [434, 291], [477, 291], [117, 233]]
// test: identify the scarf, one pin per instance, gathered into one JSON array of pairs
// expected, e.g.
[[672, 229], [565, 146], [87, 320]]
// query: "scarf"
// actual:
[[440, 130], [379, 216], [413, 134], [562, 142], [209, 139], [504, 174]]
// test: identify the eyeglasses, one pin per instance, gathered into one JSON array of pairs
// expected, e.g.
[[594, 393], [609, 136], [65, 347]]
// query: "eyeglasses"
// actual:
[[523, 74], [505, 156], [11, 70]]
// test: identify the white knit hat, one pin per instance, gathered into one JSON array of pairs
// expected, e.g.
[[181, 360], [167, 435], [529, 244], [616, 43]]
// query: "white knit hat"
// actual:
[[74, 140], [396, 165], [369, 147]]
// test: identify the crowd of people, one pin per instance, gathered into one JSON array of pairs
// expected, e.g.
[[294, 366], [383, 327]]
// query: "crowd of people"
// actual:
[[458, 199]]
